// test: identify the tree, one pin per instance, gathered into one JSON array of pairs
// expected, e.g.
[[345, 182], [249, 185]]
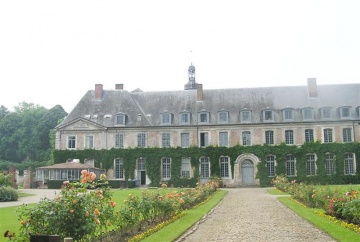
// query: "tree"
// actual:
[[3, 111]]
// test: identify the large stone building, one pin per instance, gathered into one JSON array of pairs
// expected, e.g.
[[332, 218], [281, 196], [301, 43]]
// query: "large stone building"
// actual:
[[195, 116]]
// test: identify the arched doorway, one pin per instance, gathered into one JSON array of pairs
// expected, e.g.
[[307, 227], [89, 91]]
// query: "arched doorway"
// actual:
[[247, 172]]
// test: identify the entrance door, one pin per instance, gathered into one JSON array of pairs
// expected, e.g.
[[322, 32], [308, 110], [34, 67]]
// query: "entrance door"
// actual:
[[141, 171], [247, 172]]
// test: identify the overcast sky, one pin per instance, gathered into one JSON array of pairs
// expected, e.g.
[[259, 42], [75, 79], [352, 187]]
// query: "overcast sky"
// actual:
[[53, 52]]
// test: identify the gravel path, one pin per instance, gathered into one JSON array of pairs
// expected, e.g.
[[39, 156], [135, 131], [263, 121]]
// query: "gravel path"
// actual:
[[252, 214]]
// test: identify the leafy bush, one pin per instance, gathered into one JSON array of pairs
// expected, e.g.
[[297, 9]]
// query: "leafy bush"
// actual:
[[5, 179], [8, 194]]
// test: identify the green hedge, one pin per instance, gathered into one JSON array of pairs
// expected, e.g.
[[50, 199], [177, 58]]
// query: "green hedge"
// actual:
[[105, 159], [8, 194]]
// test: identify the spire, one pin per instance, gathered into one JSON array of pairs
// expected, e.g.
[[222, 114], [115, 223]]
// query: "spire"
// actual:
[[191, 83]]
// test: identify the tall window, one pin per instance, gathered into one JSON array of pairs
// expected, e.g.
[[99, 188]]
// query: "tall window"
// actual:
[[328, 136], [204, 139], [245, 116], [141, 164], [185, 167], [223, 139], [329, 164], [270, 164], [89, 142], [308, 114], [120, 119], [185, 140], [289, 137], [347, 137], [223, 117], [71, 142], [119, 141], [246, 138], [119, 169], [290, 166], [345, 113], [309, 135], [141, 140], [268, 116], [203, 117], [326, 113], [184, 118], [310, 165], [165, 140], [349, 164], [269, 137], [224, 167], [204, 167], [166, 168], [288, 115]]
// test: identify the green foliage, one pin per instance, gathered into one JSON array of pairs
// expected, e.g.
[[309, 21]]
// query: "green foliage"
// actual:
[[8, 194], [5, 179], [153, 161], [5, 165]]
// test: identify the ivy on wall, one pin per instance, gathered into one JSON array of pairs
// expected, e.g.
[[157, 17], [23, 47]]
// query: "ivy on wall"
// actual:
[[153, 156]]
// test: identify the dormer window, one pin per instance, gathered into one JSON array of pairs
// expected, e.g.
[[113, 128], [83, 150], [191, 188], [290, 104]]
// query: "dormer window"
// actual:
[[288, 115], [268, 116], [307, 114], [223, 117], [345, 113], [166, 118], [326, 113], [184, 118], [120, 119], [203, 117], [245, 116]]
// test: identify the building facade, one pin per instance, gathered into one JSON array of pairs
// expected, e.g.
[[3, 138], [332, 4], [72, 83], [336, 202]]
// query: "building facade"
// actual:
[[291, 115]]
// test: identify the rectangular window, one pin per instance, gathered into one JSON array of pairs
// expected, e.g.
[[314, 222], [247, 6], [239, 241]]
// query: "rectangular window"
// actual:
[[185, 140], [204, 167], [165, 140], [141, 140], [270, 164], [245, 116], [290, 165], [310, 165], [166, 118], [203, 117], [347, 137], [326, 113], [204, 139], [89, 142], [119, 141], [166, 168], [345, 113], [349, 164], [223, 139], [308, 114], [269, 137], [141, 164], [71, 142], [120, 119], [329, 164], [328, 137], [288, 115], [119, 169], [268, 116], [224, 167], [223, 117], [185, 167], [184, 118], [289, 137], [246, 138], [309, 135]]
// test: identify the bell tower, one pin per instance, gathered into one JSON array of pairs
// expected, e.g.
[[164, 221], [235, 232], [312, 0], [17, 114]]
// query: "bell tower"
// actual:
[[191, 83]]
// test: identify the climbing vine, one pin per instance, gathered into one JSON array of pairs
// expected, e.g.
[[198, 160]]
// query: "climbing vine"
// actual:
[[153, 156]]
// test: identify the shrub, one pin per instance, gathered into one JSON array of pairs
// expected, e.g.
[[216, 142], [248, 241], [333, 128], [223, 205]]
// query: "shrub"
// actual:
[[5, 179], [8, 194]]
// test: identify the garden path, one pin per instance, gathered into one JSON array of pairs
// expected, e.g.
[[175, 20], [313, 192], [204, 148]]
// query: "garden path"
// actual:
[[38, 194], [252, 214]]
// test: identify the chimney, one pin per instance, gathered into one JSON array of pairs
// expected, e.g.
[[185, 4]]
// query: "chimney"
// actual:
[[312, 87], [98, 91], [199, 93], [119, 86]]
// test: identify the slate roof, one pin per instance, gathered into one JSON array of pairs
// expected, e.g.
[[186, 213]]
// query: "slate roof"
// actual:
[[152, 104], [69, 165]]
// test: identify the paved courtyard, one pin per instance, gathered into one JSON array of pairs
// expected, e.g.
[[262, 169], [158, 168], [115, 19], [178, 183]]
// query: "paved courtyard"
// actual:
[[252, 214]]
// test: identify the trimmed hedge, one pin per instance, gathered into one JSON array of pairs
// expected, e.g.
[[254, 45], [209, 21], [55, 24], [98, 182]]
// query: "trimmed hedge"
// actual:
[[8, 194]]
